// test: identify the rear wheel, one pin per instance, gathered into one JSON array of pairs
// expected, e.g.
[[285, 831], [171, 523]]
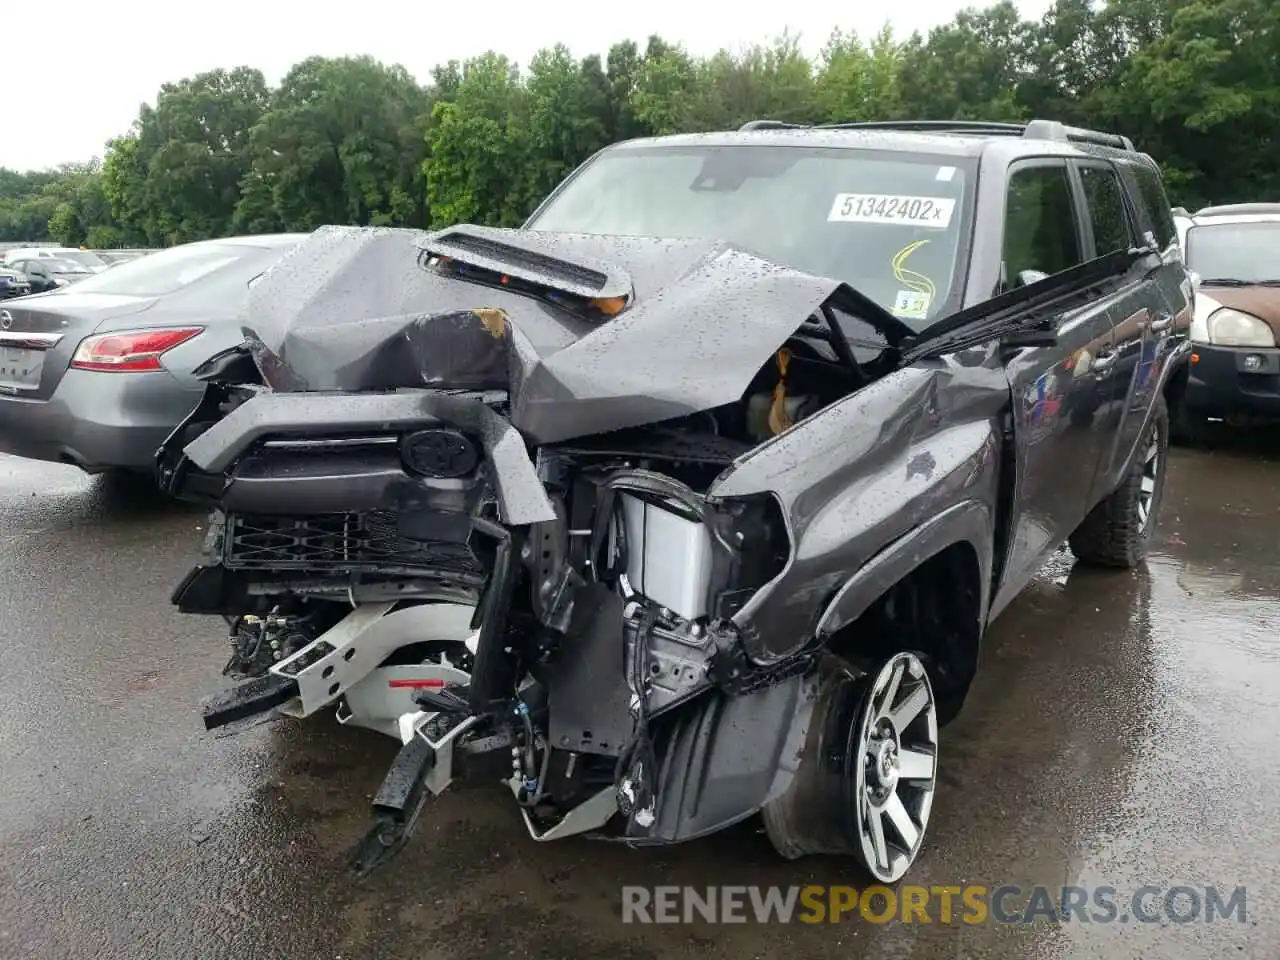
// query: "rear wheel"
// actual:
[[1117, 532]]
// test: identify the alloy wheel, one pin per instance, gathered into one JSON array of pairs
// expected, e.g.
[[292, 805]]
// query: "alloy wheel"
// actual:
[[896, 771], [1152, 464]]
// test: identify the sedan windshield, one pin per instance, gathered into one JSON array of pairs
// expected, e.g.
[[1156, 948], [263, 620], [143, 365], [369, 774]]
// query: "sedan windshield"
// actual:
[[86, 258], [64, 266], [1244, 252], [889, 225]]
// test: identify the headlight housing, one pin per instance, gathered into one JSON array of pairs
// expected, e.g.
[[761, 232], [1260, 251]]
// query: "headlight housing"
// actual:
[[1234, 328]]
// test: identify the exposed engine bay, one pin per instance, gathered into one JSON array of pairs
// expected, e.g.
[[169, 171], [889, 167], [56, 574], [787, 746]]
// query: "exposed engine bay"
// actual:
[[461, 558]]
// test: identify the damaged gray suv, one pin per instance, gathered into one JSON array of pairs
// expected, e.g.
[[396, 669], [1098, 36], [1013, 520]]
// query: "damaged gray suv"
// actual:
[[692, 499]]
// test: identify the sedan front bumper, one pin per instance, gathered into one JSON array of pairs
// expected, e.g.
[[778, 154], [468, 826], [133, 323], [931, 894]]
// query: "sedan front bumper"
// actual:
[[1234, 383], [97, 421]]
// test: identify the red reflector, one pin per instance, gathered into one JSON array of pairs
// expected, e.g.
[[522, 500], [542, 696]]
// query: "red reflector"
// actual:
[[129, 350], [414, 684]]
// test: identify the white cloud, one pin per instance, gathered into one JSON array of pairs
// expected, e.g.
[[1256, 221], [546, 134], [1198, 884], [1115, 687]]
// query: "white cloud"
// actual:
[[104, 59]]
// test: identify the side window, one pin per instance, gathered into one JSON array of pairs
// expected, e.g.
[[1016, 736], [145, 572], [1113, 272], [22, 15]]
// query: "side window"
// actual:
[[1102, 192], [1040, 230], [1154, 198]]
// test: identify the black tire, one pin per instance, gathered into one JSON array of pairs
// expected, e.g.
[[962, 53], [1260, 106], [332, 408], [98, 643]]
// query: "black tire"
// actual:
[[1185, 428], [1114, 533]]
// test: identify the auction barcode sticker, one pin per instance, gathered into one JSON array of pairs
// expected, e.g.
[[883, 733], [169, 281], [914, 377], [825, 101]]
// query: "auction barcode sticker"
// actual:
[[884, 208]]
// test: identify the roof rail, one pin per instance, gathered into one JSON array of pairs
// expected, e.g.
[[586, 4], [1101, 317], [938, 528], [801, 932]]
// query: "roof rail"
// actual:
[[771, 125], [1238, 208], [931, 126], [1053, 130], [1033, 129]]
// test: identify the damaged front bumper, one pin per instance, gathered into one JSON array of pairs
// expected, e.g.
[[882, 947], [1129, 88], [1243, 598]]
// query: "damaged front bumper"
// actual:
[[601, 653]]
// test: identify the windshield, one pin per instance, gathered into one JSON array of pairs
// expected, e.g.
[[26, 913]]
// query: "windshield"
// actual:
[[1248, 252], [64, 266], [86, 258], [887, 224], [160, 273]]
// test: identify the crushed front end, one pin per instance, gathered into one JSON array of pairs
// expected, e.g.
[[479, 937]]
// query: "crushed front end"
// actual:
[[520, 582]]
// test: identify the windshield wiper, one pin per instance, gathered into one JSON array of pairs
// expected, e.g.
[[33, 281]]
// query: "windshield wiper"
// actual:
[[1225, 282]]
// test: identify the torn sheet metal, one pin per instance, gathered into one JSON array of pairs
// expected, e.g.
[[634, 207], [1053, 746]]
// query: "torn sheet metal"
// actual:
[[352, 309]]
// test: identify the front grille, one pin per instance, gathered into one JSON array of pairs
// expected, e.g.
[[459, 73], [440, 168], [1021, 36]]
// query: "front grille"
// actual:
[[337, 542]]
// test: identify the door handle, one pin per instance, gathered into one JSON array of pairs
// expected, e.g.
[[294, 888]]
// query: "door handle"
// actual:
[[1160, 323], [1103, 361]]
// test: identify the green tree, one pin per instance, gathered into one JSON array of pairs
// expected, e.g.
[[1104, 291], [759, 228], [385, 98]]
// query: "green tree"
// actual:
[[857, 82], [478, 145], [568, 111], [970, 69], [175, 177], [665, 88], [1195, 83], [774, 82], [341, 143]]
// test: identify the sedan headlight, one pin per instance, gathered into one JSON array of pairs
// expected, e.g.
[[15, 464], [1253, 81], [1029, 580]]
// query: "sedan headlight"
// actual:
[[1233, 328]]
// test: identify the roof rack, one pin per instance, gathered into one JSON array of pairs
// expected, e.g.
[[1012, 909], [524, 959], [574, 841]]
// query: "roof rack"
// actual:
[[1033, 129], [1238, 208], [773, 125]]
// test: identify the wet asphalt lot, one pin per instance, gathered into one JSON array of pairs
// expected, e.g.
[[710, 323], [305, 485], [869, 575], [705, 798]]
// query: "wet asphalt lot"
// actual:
[[1122, 732]]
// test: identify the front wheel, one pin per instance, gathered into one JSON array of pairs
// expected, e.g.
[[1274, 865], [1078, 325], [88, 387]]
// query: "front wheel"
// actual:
[[1117, 532], [868, 773], [897, 746]]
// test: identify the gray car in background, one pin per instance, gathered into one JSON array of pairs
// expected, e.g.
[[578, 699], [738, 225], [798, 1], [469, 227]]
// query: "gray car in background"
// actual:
[[98, 374]]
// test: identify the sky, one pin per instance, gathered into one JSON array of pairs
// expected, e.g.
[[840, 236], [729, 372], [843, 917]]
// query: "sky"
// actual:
[[102, 60]]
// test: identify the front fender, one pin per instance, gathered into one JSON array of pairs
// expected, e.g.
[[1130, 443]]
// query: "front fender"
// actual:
[[863, 478], [970, 522]]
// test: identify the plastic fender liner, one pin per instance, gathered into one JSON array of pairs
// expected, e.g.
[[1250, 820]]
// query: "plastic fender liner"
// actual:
[[723, 756]]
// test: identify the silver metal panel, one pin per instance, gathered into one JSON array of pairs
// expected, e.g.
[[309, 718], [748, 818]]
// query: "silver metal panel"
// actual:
[[668, 556]]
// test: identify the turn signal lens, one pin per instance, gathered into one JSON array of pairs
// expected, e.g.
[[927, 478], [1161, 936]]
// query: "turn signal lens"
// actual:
[[609, 306], [129, 351]]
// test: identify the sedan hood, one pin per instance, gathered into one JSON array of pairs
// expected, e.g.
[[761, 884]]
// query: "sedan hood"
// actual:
[[1261, 301], [355, 309]]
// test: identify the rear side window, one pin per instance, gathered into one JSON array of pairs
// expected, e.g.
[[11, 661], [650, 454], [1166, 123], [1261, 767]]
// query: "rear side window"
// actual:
[[1102, 192], [1040, 228], [1154, 198]]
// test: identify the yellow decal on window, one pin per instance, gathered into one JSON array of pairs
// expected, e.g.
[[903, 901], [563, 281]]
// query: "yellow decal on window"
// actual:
[[914, 300]]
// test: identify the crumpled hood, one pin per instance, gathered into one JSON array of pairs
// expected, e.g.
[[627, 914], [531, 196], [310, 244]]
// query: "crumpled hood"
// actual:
[[352, 309]]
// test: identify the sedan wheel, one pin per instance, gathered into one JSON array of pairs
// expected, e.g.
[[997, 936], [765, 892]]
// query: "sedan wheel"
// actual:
[[896, 743]]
